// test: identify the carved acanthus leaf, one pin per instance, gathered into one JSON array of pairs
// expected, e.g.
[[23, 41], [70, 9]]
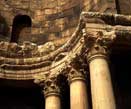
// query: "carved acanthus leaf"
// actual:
[[51, 86], [75, 74]]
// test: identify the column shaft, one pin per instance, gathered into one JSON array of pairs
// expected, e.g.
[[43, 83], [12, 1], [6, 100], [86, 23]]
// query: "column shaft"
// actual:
[[52, 94], [52, 102], [101, 87], [78, 95]]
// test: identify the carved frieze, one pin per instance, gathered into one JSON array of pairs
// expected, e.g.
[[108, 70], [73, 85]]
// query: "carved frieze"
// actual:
[[14, 50], [26, 50]]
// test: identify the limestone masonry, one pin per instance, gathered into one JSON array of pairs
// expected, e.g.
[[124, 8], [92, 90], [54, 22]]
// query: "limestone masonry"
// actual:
[[70, 50]]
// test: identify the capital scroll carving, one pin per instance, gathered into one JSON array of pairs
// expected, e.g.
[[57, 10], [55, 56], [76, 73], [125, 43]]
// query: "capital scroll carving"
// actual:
[[76, 75], [51, 87], [98, 44]]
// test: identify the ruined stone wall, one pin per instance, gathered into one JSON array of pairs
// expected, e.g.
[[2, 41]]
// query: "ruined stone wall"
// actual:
[[52, 20], [124, 6], [106, 6]]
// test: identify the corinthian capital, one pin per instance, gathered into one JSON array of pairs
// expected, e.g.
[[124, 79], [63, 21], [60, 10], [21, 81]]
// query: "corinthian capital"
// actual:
[[98, 43], [76, 75], [96, 51], [51, 87]]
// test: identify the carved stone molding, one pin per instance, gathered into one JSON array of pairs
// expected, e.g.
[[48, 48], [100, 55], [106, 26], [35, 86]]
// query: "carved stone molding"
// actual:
[[99, 36], [108, 18]]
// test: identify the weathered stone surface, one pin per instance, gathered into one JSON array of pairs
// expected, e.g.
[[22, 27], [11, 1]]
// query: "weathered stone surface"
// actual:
[[53, 24], [124, 6], [50, 16]]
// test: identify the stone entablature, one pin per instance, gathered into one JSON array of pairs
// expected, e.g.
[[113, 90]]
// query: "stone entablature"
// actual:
[[93, 28]]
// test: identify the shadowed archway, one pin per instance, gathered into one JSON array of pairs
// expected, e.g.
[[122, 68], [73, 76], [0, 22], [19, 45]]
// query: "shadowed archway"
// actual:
[[21, 98], [21, 28]]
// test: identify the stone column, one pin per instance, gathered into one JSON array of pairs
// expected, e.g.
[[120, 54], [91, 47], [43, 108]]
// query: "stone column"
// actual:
[[101, 86], [52, 95], [78, 90]]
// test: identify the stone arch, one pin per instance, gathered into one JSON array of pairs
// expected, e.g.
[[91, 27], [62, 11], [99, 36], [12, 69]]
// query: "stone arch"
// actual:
[[21, 28]]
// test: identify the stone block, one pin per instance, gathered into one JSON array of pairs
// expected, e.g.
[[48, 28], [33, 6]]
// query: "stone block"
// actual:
[[35, 31], [49, 11], [63, 2], [68, 32]]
